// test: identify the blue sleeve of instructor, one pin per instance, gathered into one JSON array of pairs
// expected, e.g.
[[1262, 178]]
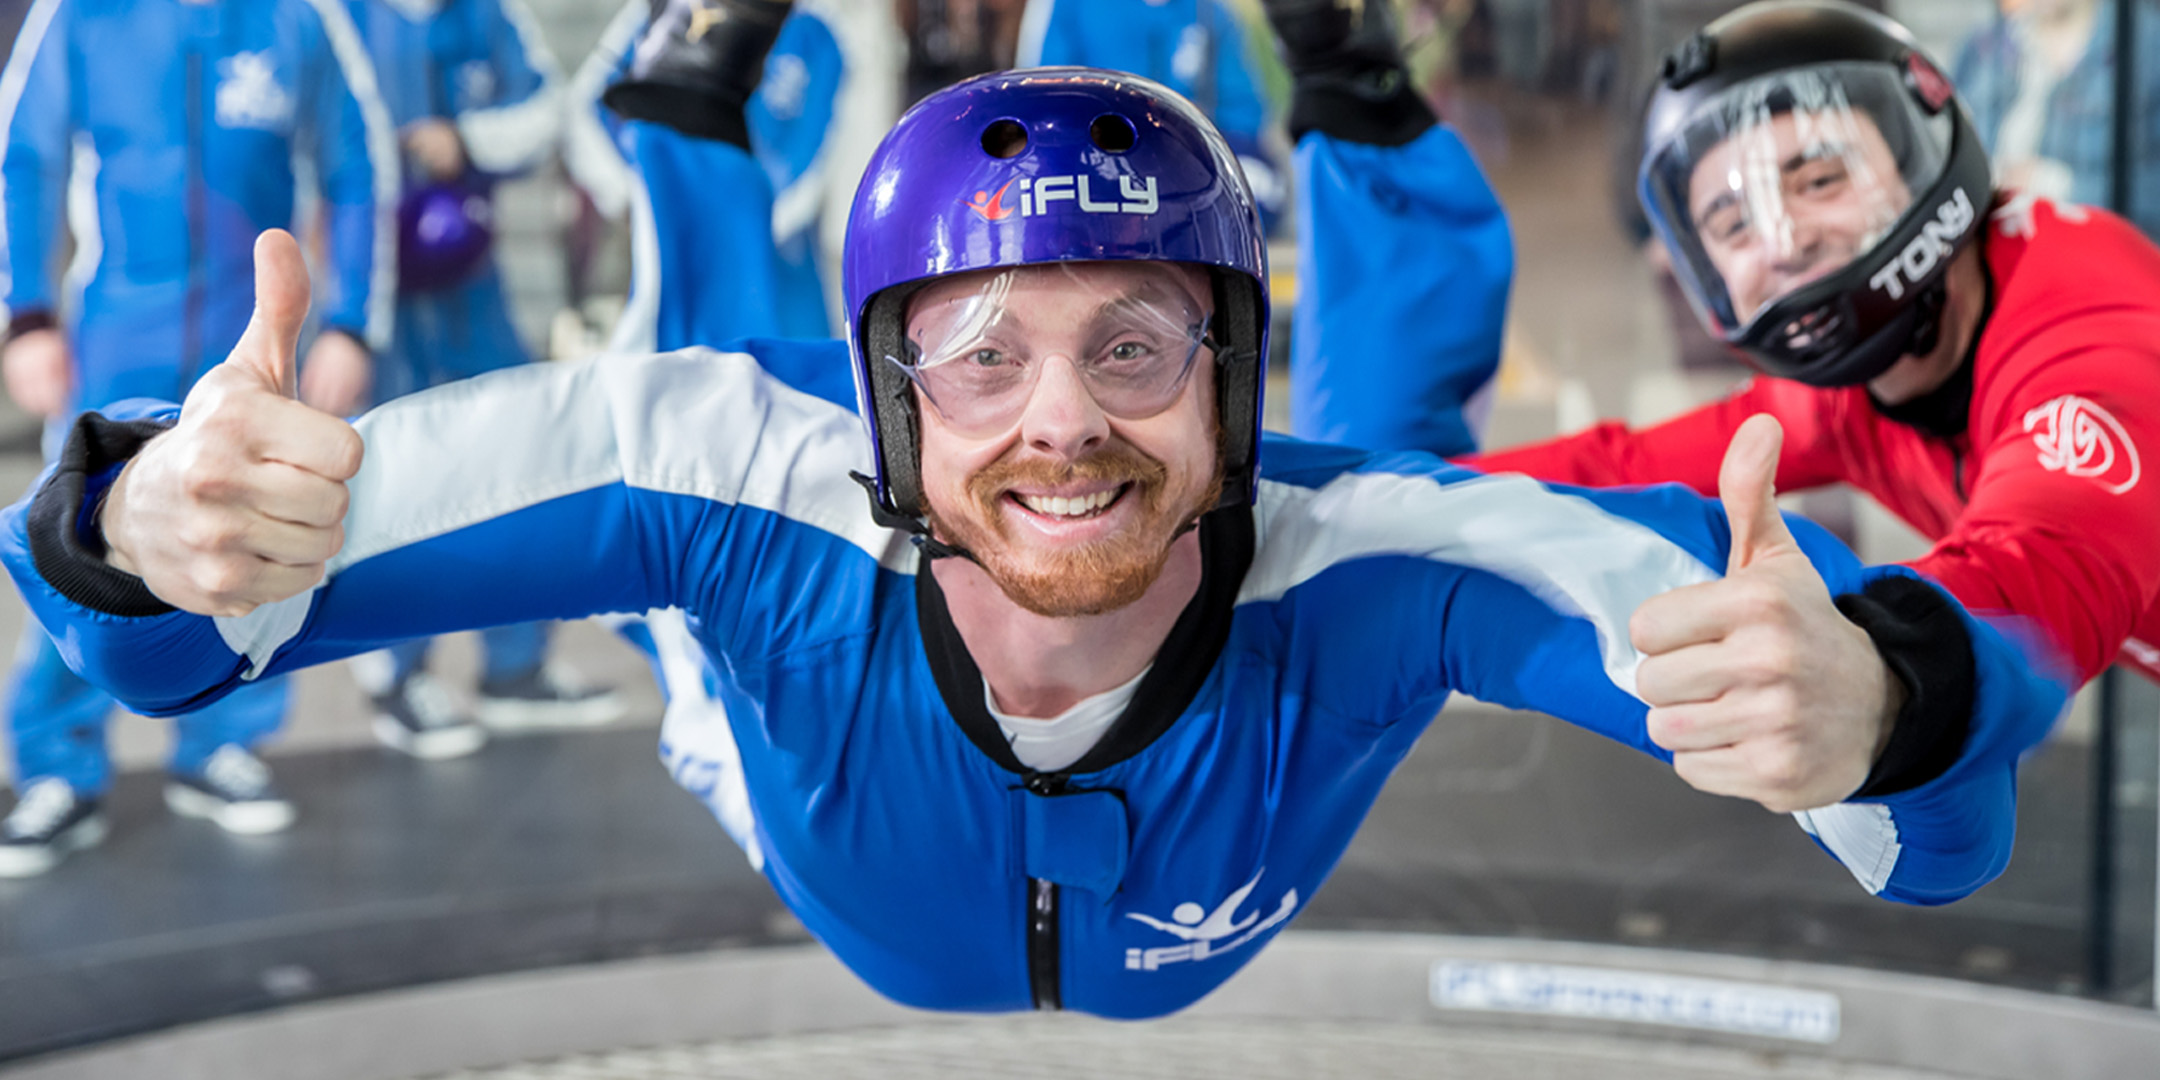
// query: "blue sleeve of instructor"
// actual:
[[1403, 267]]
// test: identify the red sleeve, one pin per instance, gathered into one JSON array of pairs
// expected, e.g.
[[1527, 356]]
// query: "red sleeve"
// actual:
[[1686, 449], [2063, 525]]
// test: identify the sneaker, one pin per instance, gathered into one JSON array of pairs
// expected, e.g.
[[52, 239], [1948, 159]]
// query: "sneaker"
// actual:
[[48, 822], [550, 696], [232, 791], [422, 719]]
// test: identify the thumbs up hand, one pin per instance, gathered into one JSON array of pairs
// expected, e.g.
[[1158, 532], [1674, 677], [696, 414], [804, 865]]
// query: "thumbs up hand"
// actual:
[[1756, 683], [243, 502]]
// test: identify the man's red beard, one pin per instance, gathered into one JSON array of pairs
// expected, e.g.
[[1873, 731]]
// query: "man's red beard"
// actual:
[[1089, 579]]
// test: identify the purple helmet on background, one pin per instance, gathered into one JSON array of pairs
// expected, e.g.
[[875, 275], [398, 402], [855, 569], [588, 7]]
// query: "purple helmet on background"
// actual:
[[443, 234], [1042, 166]]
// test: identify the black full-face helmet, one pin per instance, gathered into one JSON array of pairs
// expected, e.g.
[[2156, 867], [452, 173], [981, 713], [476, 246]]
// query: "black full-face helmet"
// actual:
[[1813, 175]]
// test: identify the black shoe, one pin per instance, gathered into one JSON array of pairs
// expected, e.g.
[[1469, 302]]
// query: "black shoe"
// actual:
[[233, 791], [1347, 64], [696, 65], [549, 696], [49, 821], [420, 718]]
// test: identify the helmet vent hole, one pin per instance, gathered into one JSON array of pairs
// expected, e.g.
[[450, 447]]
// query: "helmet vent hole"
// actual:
[[1004, 139], [1112, 133]]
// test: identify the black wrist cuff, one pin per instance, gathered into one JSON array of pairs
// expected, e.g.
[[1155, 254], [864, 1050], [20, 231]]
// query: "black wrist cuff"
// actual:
[[72, 563], [27, 321], [1379, 107], [697, 113], [1922, 638]]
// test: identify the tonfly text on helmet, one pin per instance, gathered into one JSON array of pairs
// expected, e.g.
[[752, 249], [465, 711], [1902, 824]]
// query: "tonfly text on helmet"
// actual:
[[1042, 167], [1813, 176]]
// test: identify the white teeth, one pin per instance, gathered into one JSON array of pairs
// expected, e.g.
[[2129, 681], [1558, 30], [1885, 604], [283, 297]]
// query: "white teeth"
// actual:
[[1060, 506]]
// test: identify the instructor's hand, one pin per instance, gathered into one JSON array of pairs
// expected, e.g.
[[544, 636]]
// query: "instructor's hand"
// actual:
[[1756, 683], [241, 503]]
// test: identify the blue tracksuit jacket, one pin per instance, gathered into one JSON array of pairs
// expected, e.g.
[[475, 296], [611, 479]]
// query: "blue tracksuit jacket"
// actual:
[[1333, 618], [169, 131]]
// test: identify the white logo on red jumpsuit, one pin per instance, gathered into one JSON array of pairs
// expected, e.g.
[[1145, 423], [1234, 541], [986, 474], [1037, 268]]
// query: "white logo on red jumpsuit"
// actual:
[[2079, 438]]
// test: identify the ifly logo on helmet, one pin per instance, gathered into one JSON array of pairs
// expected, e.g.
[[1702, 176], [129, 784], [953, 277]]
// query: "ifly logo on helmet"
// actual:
[[1934, 244], [1037, 194]]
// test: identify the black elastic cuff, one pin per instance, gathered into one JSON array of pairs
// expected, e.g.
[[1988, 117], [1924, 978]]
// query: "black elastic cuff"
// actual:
[[1380, 108], [695, 113], [1918, 631], [73, 565], [28, 321]]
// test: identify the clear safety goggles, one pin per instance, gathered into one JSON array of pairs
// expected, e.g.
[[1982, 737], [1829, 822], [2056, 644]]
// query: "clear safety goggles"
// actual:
[[978, 358], [1784, 180]]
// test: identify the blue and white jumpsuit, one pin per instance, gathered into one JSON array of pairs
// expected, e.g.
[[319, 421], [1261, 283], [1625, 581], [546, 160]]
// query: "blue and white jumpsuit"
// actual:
[[168, 132]]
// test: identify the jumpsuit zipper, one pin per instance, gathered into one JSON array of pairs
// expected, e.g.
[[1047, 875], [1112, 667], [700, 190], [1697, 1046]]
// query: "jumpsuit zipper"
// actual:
[[1042, 919]]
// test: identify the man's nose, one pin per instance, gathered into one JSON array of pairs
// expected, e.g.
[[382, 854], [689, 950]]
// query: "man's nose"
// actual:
[[1062, 417]]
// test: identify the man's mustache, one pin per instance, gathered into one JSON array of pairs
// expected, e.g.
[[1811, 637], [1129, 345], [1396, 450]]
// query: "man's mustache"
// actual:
[[1116, 462]]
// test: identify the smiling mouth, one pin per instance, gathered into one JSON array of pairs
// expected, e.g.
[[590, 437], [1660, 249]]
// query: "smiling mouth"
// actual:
[[1076, 508]]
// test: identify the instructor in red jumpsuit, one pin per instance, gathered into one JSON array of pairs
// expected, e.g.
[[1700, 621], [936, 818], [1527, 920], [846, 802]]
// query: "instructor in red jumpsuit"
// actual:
[[1985, 364]]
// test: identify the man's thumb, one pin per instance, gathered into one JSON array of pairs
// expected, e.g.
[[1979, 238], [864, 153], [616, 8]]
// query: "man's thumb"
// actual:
[[1747, 485], [272, 342]]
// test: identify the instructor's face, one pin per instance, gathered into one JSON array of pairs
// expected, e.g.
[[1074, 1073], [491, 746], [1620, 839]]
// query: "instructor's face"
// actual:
[[1069, 508], [1793, 199]]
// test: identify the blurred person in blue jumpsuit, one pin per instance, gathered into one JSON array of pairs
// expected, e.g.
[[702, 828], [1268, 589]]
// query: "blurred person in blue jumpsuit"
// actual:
[[473, 93], [1370, 152], [1199, 48], [755, 282], [790, 119], [169, 132]]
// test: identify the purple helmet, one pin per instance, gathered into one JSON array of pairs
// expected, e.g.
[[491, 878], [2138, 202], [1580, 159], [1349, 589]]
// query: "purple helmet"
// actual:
[[1042, 166], [443, 233]]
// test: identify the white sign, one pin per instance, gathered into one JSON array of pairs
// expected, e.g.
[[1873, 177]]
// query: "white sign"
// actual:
[[1636, 997]]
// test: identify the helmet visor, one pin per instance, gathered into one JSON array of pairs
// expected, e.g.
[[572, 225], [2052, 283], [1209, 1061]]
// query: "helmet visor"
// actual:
[[1786, 179]]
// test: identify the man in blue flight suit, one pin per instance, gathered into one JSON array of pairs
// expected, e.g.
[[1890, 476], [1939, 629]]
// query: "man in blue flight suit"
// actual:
[[473, 92], [1136, 666], [169, 130]]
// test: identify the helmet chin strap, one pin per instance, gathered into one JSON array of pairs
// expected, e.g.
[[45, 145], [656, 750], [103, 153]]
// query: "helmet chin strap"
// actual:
[[1927, 320], [917, 529]]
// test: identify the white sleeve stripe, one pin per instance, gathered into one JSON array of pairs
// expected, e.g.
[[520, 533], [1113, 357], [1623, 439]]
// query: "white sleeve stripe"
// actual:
[[1564, 549], [699, 423], [797, 206], [382, 150], [1863, 836], [512, 138], [590, 155], [1034, 28], [637, 329], [13, 79]]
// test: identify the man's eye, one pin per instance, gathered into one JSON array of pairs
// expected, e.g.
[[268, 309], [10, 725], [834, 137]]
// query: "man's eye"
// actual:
[[1822, 177], [1128, 350], [986, 358], [1726, 225]]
